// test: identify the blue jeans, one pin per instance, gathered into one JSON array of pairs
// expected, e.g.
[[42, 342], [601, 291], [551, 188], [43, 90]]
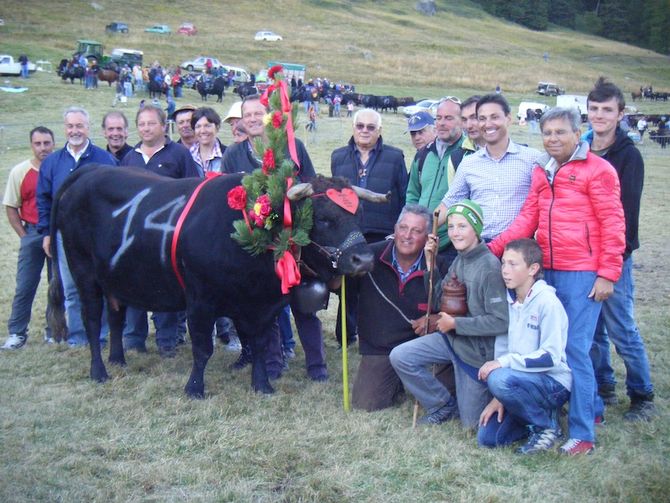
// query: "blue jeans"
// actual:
[[572, 289], [617, 320], [411, 362], [137, 328], [529, 398], [285, 330], [28, 275], [75, 324]]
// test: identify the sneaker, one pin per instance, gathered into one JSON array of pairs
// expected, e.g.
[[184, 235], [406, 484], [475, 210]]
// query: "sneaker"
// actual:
[[599, 421], [289, 353], [49, 340], [15, 341], [442, 415], [243, 360], [574, 446], [608, 394], [640, 410], [540, 440]]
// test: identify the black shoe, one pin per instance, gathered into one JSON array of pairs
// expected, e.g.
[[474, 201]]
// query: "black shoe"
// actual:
[[442, 415], [243, 360], [641, 409], [608, 394]]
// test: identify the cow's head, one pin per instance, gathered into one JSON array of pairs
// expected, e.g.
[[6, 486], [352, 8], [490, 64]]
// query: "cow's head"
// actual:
[[338, 246]]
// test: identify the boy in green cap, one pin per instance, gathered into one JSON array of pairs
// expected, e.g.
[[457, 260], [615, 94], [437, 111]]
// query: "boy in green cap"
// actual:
[[466, 341]]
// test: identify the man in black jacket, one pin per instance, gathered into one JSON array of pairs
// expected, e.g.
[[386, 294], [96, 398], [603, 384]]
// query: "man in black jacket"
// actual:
[[369, 163], [392, 296], [617, 318]]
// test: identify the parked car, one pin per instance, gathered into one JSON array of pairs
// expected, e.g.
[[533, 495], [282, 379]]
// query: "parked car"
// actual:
[[199, 64], [268, 36], [549, 89], [423, 105], [116, 27], [159, 28], [187, 29]]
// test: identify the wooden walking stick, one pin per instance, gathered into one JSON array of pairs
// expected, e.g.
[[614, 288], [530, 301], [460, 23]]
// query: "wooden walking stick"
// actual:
[[430, 265]]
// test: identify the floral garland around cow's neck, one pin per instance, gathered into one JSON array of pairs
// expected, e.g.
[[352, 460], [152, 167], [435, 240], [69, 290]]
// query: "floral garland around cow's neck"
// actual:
[[268, 222]]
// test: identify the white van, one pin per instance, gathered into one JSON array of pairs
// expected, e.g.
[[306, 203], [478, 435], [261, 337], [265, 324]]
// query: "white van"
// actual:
[[573, 101], [532, 105], [241, 75]]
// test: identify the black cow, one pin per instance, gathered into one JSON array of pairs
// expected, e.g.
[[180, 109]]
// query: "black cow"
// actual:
[[387, 103], [370, 101], [244, 90], [214, 86], [117, 226], [73, 72]]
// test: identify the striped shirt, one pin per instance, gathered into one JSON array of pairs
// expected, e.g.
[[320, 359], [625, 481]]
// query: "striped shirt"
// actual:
[[500, 186]]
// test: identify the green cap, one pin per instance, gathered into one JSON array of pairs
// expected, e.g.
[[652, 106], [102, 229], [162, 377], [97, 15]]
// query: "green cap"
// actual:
[[471, 211]]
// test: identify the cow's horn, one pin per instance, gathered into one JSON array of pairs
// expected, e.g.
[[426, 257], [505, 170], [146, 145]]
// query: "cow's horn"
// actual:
[[373, 197], [299, 191]]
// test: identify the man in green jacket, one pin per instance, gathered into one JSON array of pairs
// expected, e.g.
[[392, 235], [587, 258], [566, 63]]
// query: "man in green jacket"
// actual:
[[429, 175]]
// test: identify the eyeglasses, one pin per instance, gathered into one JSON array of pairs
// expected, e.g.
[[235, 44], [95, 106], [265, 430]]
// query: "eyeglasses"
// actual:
[[370, 127], [453, 99]]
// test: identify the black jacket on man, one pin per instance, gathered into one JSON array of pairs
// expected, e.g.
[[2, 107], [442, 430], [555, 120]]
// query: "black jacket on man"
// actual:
[[387, 173], [238, 158], [380, 325], [627, 160], [173, 160]]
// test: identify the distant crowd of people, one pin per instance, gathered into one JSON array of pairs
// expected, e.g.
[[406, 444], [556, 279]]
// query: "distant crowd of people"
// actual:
[[532, 333]]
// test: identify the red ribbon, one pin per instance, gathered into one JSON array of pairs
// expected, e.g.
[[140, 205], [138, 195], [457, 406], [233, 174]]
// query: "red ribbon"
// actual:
[[288, 272], [286, 108], [288, 219]]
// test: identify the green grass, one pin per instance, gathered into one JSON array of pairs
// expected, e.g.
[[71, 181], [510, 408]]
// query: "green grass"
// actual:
[[137, 438]]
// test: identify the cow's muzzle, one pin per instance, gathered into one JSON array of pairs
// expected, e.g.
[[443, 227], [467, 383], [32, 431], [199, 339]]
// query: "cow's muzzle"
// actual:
[[334, 253]]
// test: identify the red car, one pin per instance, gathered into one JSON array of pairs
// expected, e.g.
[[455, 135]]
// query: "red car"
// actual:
[[187, 29]]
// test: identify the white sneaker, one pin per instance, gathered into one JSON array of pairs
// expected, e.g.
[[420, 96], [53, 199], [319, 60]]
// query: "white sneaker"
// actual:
[[15, 341]]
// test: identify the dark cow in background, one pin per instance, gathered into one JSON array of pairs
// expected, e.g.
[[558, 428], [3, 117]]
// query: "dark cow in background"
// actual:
[[117, 226], [108, 75], [208, 85], [71, 72], [244, 90], [387, 103]]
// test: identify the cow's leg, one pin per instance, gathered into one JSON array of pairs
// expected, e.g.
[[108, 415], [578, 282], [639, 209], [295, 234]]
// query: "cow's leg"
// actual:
[[257, 334], [91, 312], [116, 316], [200, 325]]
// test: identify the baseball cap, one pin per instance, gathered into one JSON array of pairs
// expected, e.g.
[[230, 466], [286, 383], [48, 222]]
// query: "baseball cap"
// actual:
[[235, 112], [183, 108], [420, 120]]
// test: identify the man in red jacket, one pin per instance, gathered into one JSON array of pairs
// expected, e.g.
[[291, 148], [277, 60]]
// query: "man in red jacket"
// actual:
[[574, 205]]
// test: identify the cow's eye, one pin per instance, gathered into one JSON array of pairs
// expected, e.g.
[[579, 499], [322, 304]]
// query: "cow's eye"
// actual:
[[324, 223]]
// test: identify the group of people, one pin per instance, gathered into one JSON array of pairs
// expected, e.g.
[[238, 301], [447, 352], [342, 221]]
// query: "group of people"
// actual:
[[534, 332]]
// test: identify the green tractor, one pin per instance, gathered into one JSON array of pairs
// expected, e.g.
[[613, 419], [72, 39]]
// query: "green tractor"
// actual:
[[90, 49]]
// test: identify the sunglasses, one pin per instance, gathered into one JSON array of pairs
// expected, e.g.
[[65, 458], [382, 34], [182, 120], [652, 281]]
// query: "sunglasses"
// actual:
[[453, 99], [370, 127]]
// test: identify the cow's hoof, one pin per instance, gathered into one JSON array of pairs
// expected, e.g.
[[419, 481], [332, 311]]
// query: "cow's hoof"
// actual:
[[121, 362], [265, 388], [196, 392], [100, 376]]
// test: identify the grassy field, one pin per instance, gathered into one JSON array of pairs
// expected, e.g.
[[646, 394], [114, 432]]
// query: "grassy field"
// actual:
[[137, 438]]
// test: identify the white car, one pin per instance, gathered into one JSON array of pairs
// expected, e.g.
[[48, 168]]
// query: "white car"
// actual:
[[423, 105], [268, 36], [200, 64]]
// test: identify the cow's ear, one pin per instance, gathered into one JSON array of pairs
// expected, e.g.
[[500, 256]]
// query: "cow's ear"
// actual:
[[300, 191]]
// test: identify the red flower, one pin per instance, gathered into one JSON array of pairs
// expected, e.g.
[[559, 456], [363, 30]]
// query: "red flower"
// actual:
[[275, 69], [264, 99], [237, 198], [277, 119], [268, 161]]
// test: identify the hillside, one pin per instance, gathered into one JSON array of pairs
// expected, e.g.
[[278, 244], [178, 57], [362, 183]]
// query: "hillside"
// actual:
[[365, 42]]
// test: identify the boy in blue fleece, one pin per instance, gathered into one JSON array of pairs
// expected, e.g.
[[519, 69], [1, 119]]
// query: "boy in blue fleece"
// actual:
[[529, 378]]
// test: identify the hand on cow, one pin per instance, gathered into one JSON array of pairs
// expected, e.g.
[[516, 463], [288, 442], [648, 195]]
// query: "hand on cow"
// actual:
[[46, 245], [602, 289], [431, 247]]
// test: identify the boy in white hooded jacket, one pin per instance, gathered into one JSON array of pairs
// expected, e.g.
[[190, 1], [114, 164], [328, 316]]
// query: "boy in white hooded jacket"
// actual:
[[529, 377]]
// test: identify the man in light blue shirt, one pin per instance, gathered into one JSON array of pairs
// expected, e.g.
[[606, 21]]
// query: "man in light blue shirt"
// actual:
[[497, 176]]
